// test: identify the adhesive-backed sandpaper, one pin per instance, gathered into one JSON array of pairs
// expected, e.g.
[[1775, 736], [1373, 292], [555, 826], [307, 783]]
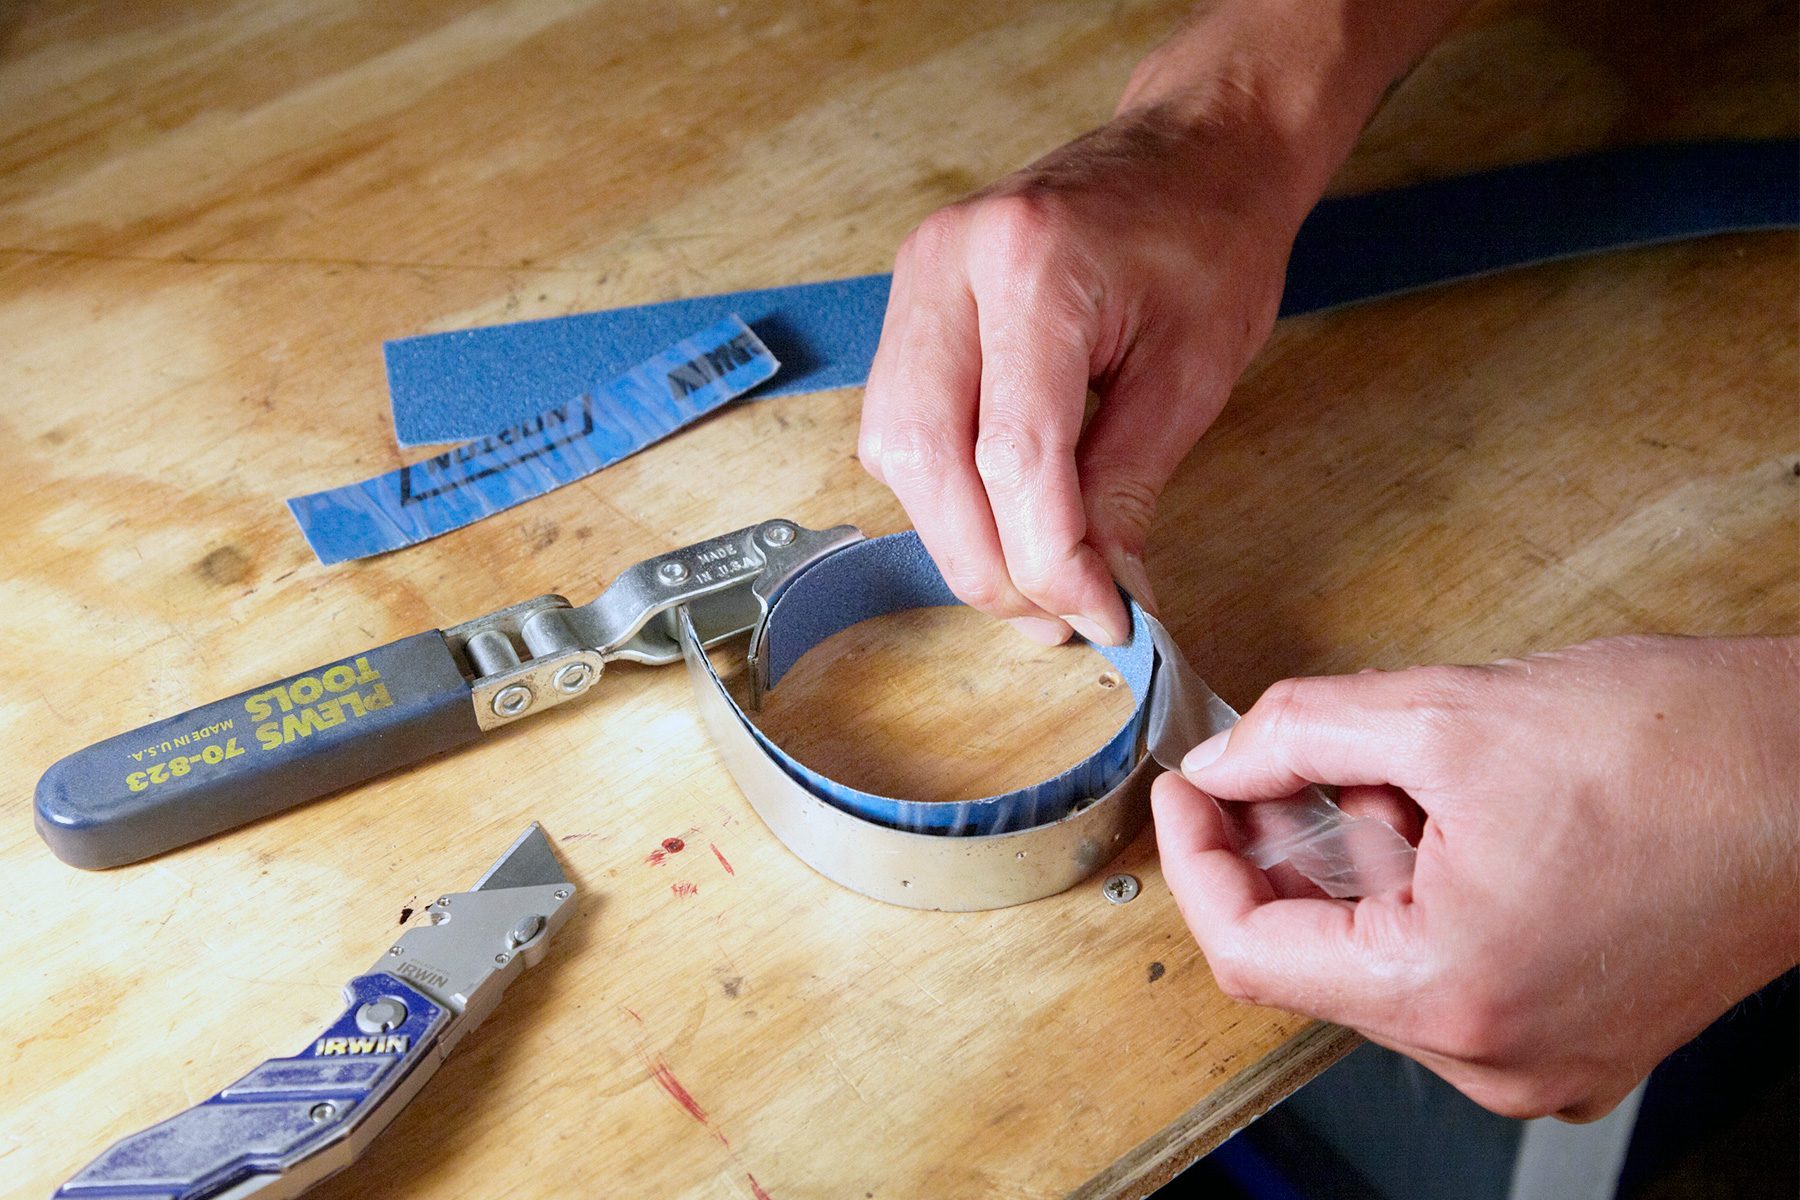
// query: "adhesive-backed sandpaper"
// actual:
[[448, 387], [599, 427], [453, 386]]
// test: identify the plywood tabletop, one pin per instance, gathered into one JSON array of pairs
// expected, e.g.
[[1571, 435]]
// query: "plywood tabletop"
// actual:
[[212, 214]]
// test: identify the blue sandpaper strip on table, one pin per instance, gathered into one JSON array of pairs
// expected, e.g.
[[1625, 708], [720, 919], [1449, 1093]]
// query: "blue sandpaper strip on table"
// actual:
[[451, 386], [447, 387], [602, 425]]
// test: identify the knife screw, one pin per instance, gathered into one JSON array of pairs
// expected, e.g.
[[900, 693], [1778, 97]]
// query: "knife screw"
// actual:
[[500, 959], [321, 1113], [395, 951], [383, 1015], [561, 893]]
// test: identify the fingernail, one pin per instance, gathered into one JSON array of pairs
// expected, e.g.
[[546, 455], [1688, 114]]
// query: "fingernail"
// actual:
[[1040, 630], [1092, 631], [1205, 754], [1129, 570]]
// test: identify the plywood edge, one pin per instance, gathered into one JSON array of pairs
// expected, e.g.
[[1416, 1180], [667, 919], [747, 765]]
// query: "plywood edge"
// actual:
[[1246, 1096]]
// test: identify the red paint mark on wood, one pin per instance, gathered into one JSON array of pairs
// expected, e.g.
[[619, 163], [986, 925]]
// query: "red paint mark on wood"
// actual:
[[684, 888], [665, 1079], [633, 1012], [674, 845], [756, 1189], [670, 846], [720, 855]]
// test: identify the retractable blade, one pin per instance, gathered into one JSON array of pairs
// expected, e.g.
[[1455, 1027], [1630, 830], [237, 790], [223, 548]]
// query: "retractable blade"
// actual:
[[292, 1122]]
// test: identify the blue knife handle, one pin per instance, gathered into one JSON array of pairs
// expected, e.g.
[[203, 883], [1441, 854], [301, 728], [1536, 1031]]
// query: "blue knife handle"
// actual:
[[289, 1119]]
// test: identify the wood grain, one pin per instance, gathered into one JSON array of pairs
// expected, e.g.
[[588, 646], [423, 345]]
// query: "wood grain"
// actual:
[[211, 215]]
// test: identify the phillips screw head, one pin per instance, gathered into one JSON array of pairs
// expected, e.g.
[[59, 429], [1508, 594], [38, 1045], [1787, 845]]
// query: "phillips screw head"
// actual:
[[1120, 889]]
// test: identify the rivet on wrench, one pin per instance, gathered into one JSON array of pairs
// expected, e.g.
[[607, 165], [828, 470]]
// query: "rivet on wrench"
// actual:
[[779, 535], [512, 700], [572, 678], [673, 571]]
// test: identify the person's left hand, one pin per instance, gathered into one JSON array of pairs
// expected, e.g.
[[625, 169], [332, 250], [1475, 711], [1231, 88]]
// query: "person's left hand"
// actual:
[[1144, 259], [1607, 859]]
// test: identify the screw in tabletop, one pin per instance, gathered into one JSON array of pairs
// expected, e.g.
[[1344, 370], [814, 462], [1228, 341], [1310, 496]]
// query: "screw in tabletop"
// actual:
[[1120, 889]]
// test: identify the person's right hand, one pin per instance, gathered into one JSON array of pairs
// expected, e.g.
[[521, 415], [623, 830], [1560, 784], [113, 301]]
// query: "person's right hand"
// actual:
[[1145, 259], [1607, 860]]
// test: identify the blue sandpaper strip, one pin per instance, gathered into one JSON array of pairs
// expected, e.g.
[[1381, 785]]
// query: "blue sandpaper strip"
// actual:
[[666, 391], [447, 387], [890, 574], [451, 386]]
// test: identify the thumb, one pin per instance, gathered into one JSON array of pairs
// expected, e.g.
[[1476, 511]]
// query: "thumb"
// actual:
[[1343, 730], [1327, 958]]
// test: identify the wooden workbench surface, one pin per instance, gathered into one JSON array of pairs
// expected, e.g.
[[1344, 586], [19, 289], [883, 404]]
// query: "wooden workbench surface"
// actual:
[[210, 218]]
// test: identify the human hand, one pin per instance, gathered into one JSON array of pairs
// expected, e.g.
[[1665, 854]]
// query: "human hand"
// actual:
[[1145, 260], [1606, 861], [1140, 259]]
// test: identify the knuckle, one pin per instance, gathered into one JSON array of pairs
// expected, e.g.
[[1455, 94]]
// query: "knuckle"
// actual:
[[972, 582], [1038, 576], [1022, 242], [1440, 713], [1016, 224], [1126, 502], [932, 241], [1230, 972], [1481, 1024], [1285, 710], [868, 452], [911, 450], [1519, 1097], [1009, 453]]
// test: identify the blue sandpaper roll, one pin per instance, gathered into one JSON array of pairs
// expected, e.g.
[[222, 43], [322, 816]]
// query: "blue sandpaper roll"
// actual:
[[457, 386], [894, 573]]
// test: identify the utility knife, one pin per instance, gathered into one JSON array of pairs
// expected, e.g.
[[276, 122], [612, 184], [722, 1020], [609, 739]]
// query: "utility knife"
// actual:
[[291, 1122]]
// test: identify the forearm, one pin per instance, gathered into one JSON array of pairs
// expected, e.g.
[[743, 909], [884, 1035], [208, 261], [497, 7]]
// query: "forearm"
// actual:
[[1299, 79]]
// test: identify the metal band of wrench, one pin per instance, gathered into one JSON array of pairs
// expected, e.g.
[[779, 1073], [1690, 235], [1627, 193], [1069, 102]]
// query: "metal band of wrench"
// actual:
[[1018, 846], [241, 758]]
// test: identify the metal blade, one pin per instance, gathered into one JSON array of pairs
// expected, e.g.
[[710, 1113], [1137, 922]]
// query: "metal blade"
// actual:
[[528, 862]]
